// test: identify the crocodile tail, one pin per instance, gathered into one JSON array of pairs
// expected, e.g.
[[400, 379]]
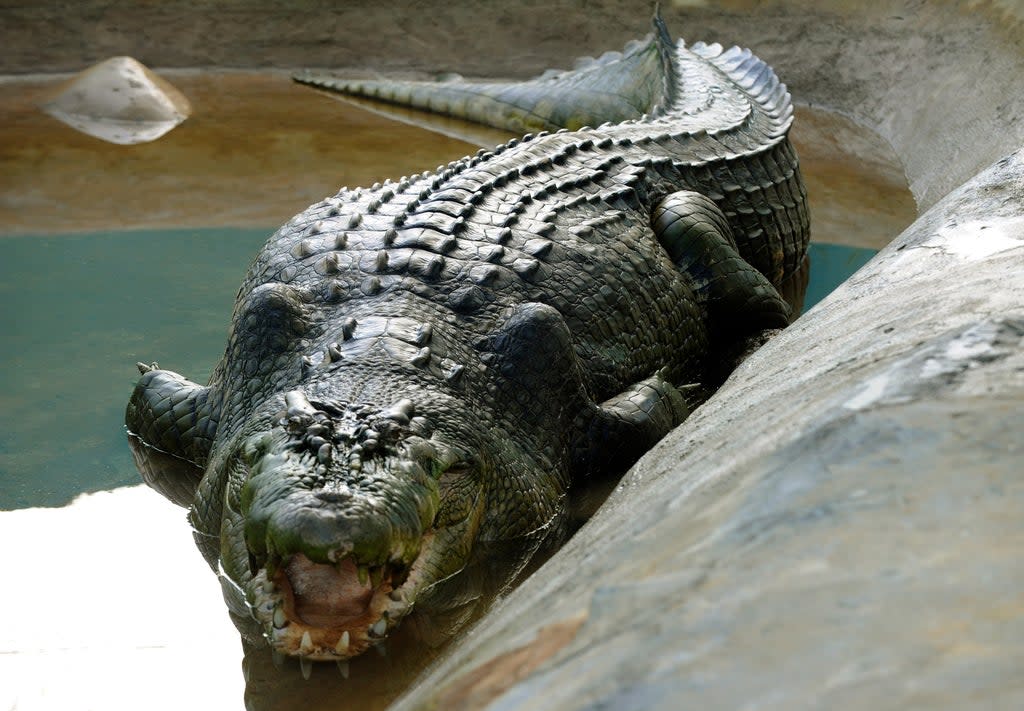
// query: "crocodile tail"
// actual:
[[755, 77], [616, 87], [667, 51]]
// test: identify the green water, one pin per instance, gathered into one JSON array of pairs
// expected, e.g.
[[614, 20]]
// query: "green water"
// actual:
[[80, 310]]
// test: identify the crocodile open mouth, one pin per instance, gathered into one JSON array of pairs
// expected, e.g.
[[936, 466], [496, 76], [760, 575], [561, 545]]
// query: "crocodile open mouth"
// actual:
[[336, 611], [327, 611]]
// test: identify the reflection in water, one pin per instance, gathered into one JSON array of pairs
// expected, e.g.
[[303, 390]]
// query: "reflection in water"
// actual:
[[117, 609], [108, 606], [373, 680], [121, 101]]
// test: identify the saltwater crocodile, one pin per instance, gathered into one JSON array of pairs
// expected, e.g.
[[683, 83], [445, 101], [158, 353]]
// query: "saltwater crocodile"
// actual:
[[418, 373]]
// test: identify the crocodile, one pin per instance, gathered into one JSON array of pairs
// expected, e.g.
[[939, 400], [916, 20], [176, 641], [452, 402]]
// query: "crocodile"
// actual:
[[419, 375]]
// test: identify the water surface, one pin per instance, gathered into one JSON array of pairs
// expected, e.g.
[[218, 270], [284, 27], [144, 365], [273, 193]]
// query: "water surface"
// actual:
[[86, 308]]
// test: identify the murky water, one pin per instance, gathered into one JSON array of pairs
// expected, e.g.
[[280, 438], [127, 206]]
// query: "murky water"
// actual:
[[120, 604], [87, 307]]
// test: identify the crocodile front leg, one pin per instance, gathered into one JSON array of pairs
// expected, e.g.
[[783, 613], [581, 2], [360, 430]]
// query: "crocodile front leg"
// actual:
[[743, 308], [171, 424], [622, 428]]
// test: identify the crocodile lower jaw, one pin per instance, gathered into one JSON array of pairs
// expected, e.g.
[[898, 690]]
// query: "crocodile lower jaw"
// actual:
[[333, 612]]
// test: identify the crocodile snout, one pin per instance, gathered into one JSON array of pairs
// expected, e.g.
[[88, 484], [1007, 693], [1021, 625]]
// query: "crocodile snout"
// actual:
[[334, 519]]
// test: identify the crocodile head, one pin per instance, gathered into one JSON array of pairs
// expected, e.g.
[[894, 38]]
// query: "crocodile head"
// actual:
[[338, 519]]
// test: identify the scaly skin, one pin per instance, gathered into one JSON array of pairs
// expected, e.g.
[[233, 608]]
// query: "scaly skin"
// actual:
[[417, 372]]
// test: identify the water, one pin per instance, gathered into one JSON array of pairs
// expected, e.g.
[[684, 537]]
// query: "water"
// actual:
[[88, 307], [85, 309]]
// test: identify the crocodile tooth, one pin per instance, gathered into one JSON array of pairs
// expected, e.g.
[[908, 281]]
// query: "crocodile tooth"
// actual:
[[342, 646], [279, 617], [306, 664], [343, 668], [306, 645], [364, 574], [379, 627]]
